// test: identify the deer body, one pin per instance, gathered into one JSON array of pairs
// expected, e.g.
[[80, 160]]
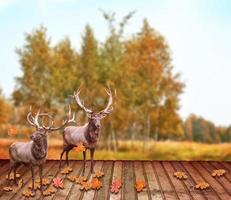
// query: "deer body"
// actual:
[[88, 134], [34, 152]]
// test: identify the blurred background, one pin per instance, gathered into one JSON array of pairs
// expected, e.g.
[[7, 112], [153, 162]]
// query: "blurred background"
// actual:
[[166, 64]]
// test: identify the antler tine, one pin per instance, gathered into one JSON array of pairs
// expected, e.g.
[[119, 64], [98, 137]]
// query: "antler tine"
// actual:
[[36, 119], [30, 116], [108, 108], [81, 104]]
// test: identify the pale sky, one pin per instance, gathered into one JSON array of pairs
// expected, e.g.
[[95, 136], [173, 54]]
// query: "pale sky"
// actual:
[[198, 33]]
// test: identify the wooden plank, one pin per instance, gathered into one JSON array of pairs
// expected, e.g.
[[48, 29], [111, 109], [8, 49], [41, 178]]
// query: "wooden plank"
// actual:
[[226, 164], [208, 193], [27, 180], [219, 165], [128, 180], [53, 173], [61, 194], [152, 182], [168, 191], [218, 189], [103, 193], [178, 185], [117, 174], [189, 182], [139, 174], [91, 193], [75, 193], [222, 181]]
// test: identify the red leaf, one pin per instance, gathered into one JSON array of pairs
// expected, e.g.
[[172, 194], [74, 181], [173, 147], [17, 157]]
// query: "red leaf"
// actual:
[[58, 183]]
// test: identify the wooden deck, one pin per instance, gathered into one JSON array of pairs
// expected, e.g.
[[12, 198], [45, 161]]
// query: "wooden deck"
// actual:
[[161, 184]]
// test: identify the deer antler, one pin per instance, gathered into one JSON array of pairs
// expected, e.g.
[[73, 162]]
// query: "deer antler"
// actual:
[[33, 121], [70, 118], [108, 108], [81, 104]]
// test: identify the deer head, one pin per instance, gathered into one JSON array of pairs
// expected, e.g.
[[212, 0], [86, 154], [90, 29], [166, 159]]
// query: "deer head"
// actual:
[[95, 117]]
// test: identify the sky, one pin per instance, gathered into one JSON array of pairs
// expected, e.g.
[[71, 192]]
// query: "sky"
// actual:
[[197, 31]]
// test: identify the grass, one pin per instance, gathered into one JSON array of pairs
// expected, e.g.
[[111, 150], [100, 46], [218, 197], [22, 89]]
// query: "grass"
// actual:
[[136, 150]]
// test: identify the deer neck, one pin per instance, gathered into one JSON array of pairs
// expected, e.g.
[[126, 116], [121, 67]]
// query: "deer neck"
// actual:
[[39, 151], [90, 128]]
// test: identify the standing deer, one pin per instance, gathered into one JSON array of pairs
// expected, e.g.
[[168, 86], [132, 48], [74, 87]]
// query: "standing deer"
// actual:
[[88, 134], [34, 152]]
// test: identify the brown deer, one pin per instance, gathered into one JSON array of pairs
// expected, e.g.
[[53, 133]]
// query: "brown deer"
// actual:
[[34, 152], [88, 134]]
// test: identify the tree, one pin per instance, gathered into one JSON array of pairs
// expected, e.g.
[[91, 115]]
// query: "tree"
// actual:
[[5, 110]]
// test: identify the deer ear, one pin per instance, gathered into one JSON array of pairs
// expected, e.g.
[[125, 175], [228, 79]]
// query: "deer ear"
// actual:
[[32, 137]]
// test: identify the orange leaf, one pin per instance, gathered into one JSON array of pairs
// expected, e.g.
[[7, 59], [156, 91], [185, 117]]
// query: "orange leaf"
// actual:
[[180, 175], [98, 174], [28, 193], [8, 189], [218, 172], [140, 185], [80, 147], [85, 185], [96, 184], [66, 170], [48, 192], [202, 185], [12, 131]]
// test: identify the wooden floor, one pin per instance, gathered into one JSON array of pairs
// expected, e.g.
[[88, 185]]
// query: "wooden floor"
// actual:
[[161, 184]]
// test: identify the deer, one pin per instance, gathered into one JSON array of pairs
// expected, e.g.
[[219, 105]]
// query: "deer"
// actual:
[[34, 152], [87, 134]]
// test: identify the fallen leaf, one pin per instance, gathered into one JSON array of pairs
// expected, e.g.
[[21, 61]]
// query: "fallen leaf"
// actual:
[[45, 181], [48, 192], [218, 172], [8, 189], [12, 131], [96, 184], [66, 170], [98, 174], [80, 147], [36, 186], [72, 178], [85, 185], [115, 186], [180, 175], [28, 193], [58, 183], [80, 179], [202, 185], [140, 185]]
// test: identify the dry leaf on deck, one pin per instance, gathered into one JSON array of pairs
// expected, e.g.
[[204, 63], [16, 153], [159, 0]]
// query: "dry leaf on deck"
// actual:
[[45, 181], [140, 185], [72, 178], [86, 185], [80, 179], [80, 147], [36, 186], [202, 185], [28, 193], [115, 186], [48, 192], [58, 183], [98, 174], [180, 175], [218, 172], [8, 189], [66, 170], [96, 184]]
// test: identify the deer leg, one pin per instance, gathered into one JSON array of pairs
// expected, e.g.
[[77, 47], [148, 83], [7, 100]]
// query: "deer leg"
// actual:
[[68, 148], [84, 162], [60, 161], [32, 173], [92, 151], [41, 176], [15, 168]]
